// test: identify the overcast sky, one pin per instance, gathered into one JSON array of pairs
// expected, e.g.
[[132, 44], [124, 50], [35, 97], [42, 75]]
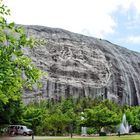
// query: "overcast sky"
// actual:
[[115, 20]]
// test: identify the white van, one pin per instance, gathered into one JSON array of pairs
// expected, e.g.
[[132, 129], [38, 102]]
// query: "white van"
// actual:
[[20, 130]]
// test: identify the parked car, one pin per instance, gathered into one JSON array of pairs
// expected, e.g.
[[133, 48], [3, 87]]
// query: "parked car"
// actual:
[[20, 130]]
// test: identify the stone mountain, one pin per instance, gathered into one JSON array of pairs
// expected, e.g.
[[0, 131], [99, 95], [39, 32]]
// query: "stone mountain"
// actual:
[[81, 66]]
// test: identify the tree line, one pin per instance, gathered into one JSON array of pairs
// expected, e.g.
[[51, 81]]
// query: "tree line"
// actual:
[[63, 118]]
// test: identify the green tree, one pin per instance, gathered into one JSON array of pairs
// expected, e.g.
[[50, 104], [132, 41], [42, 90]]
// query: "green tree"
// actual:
[[101, 116], [59, 122], [133, 117], [16, 69], [11, 112], [33, 117]]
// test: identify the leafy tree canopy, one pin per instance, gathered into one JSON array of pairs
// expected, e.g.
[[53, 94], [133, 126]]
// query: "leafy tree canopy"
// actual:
[[16, 69], [102, 115]]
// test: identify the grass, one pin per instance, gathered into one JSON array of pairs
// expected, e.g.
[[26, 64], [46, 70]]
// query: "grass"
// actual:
[[127, 137], [132, 137]]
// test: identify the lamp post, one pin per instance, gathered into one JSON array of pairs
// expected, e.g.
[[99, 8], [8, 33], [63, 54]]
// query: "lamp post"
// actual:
[[71, 129]]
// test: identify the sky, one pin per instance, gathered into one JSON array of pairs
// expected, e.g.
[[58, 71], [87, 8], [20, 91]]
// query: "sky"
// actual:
[[117, 21]]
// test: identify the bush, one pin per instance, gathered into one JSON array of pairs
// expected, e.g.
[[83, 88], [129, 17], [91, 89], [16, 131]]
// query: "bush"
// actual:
[[91, 130], [4, 130], [102, 134]]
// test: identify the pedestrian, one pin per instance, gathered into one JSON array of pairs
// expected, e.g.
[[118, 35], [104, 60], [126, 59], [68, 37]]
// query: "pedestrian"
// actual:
[[13, 131]]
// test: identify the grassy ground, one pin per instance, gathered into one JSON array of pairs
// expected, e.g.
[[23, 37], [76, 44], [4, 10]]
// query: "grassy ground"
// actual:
[[128, 137], [132, 137]]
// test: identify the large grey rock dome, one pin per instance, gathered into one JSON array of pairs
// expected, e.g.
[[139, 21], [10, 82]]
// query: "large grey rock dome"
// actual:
[[81, 66]]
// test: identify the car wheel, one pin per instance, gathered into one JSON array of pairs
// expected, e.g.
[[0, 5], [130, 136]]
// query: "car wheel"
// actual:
[[24, 134]]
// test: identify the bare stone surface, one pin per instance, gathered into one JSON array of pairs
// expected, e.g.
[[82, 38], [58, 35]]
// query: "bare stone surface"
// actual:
[[81, 66]]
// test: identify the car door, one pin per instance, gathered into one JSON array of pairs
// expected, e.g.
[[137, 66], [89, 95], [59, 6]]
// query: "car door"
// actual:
[[20, 130]]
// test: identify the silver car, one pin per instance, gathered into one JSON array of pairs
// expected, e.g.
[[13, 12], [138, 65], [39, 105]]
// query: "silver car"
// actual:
[[20, 130]]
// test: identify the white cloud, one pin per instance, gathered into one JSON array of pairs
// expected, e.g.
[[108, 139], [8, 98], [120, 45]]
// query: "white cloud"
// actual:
[[126, 4], [133, 39], [90, 17], [137, 5], [93, 16], [131, 9]]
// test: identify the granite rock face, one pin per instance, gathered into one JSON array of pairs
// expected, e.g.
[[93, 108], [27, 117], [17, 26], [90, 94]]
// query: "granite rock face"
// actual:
[[81, 66]]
